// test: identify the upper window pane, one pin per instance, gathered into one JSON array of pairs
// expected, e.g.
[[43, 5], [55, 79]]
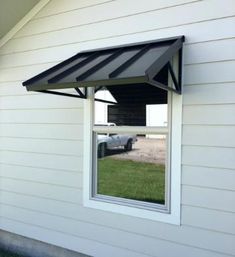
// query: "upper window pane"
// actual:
[[132, 105]]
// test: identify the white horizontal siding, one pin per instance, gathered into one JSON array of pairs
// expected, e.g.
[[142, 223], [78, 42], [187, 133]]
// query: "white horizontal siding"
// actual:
[[220, 157], [13, 89], [50, 161], [217, 178], [54, 237], [209, 114], [69, 210], [40, 101], [81, 228], [44, 190], [42, 130], [209, 198], [56, 7], [205, 53], [210, 73], [41, 56], [41, 204], [201, 217], [82, 17], [41, 136], [73, 148], [53, 116], [41, 175], [211, 51], [148, 228], [153, 247], [219, 136], [128, 25], [221, 93], [21, 73]]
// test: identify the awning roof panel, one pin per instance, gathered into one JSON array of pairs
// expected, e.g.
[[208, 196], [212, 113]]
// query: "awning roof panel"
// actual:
[[139, 67], [72, 77], [117, 58], [132, 64]]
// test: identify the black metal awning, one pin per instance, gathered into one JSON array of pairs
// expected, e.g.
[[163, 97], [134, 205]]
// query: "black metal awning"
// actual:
[[148, 63]]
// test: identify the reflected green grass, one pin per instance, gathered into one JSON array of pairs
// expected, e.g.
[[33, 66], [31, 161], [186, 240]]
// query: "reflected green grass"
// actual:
[[131, 179]]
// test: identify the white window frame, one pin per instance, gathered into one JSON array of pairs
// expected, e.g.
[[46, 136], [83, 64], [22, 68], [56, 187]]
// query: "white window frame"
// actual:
[[174, 190]]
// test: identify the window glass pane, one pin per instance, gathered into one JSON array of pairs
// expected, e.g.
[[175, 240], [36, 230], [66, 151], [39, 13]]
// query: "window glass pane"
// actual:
[[156, 115], [101, 109], [133, 105], [131, 166]]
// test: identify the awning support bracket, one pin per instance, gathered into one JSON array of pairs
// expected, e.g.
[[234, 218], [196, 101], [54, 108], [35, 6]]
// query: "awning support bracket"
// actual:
[[80, 93], [176, 83], [162, 86]]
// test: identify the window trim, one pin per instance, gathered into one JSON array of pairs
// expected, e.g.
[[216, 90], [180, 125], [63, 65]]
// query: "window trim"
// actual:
[[154, 130], [172, 217], [175, 188]]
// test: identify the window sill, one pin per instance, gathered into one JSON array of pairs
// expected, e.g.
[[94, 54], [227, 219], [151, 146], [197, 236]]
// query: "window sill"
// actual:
[[156, 215]]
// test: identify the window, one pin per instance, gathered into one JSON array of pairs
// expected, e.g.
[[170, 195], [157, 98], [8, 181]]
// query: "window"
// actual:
[[134, 152], [130, 147]]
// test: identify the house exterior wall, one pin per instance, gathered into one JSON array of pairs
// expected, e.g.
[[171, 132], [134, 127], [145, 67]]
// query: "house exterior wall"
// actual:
[[41, 136]]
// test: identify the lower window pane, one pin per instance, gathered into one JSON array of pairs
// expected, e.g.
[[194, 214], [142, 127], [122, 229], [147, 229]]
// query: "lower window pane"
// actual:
[[132, 167]]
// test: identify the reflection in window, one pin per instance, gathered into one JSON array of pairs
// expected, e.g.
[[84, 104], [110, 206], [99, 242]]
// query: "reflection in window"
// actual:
[[133, 106], [131, 167]]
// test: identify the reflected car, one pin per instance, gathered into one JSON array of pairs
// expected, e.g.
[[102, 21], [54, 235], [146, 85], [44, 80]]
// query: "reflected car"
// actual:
[[113, 141]]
